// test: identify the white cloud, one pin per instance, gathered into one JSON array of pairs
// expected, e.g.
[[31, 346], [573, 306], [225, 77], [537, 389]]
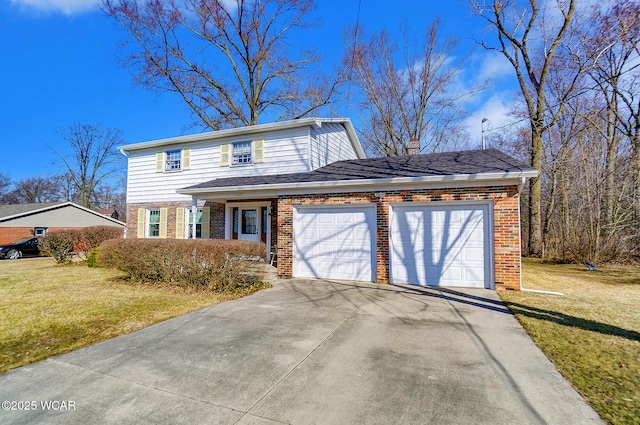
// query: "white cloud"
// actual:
[[494, 66], [496, 110], [67, 7]]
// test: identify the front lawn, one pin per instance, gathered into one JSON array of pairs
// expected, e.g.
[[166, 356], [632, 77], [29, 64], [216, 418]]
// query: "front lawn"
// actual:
[[46, 309], [592, 333]]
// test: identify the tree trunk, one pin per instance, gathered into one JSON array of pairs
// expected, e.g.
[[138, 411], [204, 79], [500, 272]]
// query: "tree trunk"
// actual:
[[611, 165], [535, 189]]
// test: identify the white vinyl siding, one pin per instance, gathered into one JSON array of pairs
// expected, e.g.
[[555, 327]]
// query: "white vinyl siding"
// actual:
[[145, 186], [329, 143]]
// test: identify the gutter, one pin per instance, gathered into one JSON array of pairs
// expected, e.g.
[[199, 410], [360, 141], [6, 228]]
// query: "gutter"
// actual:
[[360, 183]]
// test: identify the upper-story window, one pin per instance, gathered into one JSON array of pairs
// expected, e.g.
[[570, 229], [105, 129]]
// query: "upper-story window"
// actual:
[[173, 160], [241, 153]]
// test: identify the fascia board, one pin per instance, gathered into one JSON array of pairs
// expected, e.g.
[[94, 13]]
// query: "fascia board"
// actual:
[[221, 134], [369, 184]]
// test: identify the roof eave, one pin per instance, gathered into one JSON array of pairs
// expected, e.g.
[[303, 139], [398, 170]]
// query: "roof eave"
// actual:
[[509, 177], [252, 129]]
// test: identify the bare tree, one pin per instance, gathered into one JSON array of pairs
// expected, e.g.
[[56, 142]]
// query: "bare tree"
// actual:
[[36, 190], [613, 50], [5, 185], [529, 38], [230, 61], [406, 91], [93, 159]]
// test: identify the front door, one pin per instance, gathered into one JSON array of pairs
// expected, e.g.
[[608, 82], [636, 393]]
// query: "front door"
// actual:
[[249, 224]]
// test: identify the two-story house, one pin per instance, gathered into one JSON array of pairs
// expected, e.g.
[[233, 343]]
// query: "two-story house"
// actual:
[[306, 190]]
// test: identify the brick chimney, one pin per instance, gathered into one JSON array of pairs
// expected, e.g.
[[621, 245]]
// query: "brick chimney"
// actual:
[[413, 148]]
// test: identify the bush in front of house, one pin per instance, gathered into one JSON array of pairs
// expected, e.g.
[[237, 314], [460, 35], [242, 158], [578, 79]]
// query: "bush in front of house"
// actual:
[[92, 258], [58, 245], [62, 244], [211, 264], [92, 237]]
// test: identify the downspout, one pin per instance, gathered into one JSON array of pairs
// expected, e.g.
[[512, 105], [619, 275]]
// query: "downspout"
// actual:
[[125, 153], [522, 288]]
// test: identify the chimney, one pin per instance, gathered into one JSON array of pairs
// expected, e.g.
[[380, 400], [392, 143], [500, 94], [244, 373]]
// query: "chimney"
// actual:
[[413, 148]]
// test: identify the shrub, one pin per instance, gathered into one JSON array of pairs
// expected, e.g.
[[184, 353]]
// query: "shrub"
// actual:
[[92, 258], [92, 237], [57, 245], [212, 264], [80, 240]]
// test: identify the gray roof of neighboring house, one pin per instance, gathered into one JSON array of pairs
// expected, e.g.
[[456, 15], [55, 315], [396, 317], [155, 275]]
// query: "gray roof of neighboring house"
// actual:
[[473, 162], [22, 213], [17, 209]]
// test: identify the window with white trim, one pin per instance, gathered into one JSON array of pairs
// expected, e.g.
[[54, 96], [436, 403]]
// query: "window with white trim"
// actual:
[[153, 223], [189, 224], [39, 231], [241, 153], [173, 161]]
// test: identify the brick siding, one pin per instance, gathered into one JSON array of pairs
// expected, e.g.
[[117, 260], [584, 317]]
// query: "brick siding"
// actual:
[[11, 234], [505, 224]]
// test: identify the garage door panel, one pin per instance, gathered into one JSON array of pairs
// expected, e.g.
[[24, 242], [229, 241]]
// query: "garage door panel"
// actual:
[[440, 245], [342, 246]]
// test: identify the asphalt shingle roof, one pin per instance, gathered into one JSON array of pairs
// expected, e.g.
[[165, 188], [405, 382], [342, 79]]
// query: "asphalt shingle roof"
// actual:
[[436, 164], [14, 209]]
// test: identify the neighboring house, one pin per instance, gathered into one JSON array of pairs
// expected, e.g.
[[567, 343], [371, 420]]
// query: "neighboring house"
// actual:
[[305, 189], [24, 220], [113, 212]]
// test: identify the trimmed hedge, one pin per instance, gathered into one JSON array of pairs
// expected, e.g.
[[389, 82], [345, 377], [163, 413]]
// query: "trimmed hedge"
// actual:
[[211, 264], [61, 244]]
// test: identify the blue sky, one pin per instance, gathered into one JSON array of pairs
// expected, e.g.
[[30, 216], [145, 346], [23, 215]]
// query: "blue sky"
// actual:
[[60, 66]]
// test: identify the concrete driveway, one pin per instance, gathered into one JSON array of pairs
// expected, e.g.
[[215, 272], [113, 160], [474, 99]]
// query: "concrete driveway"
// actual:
[[309, 352]]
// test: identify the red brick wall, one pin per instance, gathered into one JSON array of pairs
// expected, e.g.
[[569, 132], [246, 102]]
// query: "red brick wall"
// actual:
[[10, 234], [216, 229], [505, 224], [216, 224]]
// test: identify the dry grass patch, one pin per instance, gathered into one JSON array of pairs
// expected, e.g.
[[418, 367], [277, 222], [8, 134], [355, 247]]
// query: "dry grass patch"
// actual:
[[592, 333], [46, 310]]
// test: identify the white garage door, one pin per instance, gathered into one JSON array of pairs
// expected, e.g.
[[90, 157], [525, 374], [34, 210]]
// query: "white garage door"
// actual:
[[440, 245], [334, 243]]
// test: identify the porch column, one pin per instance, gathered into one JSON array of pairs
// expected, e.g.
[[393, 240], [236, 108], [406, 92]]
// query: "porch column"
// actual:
[[194, 216]]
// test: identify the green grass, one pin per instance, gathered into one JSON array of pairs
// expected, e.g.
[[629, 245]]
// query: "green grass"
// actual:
[[591, 333], [46, 309]]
